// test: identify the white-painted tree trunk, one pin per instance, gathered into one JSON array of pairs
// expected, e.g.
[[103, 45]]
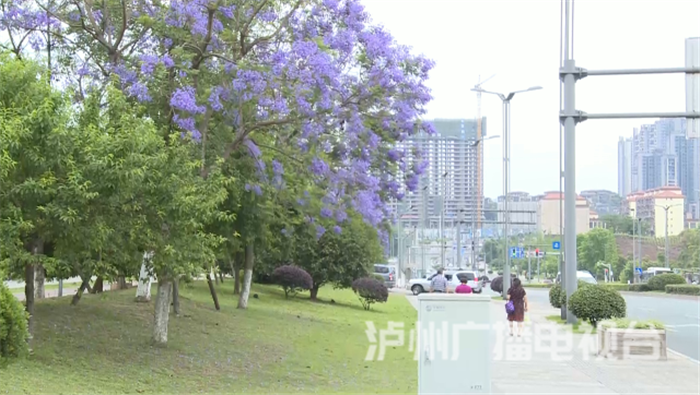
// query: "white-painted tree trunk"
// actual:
[[162, 311], [39, 282], [143, 292], [247, 277]]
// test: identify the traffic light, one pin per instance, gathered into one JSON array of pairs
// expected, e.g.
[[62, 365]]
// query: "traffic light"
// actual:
[[537, 252], [473, 248]]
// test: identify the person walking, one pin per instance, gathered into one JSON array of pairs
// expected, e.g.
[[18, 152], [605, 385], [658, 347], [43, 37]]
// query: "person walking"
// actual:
[[517, 295], [463, 288], [439, 283]]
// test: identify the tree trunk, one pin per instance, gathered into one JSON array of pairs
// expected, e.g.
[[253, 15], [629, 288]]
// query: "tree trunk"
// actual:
[[98, 287], [39, 281], [314, 292], [176, 297], [212, 290], [162, 311], [29, 291], [143, 292], [216, 277], [83, 286], [247, 277], [221, 277], [121, 280], [236, 278], [29, 296]]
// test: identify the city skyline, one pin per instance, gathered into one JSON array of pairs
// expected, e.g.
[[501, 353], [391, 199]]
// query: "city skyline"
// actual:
[[483, 40]]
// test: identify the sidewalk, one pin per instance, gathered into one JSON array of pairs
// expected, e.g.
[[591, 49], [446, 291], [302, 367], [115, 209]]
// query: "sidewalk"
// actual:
[[529, 365]]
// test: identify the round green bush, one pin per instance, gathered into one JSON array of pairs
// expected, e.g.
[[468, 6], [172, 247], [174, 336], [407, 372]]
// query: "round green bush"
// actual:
[[497, 284], [13, 326], [370, 290], [555, 296], [378, 277], [595, 303], [659, 282]]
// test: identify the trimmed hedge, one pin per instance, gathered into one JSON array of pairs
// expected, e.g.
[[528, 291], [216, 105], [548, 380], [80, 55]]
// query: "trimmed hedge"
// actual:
[[292, 279], [640, 288], [659, 282], [13, 326], [497, 284], [625, 323], [595, 303], [370, 290], [557, 297], [617, 286], [683, 289], [537, 285], [378, 277]]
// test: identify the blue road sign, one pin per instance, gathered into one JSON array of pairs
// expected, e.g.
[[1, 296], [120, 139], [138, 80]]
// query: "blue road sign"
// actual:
[[517, 252], [556, 245], [639, 270]]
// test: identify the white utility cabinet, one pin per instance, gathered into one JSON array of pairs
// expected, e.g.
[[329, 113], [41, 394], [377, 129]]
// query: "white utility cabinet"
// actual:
[[454, 346]]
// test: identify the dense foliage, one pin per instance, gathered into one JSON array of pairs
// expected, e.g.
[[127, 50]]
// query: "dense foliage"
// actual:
[[204, 134], [595, 247], [660, 281], [292, 279], [13, 326], [683, 289], [595, 303], [370, 291]]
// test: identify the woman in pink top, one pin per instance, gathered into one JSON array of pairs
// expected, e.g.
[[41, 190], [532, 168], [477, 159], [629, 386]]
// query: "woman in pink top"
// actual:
[[463, 288]]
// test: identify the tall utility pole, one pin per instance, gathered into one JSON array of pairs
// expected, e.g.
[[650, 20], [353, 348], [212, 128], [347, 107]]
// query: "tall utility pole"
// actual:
[[634, 246], [479, 162], [442, 221], [459, 238], [666, 242], [571, 116], [506, 98]]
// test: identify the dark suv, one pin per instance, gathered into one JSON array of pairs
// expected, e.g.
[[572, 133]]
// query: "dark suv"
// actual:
[[388, 273]]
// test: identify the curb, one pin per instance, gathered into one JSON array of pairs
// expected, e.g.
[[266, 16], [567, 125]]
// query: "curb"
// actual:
[[683, 356]]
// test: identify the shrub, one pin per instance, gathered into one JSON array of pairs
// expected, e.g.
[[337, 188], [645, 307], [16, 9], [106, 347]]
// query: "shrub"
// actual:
[[13, 326], [557, 296], [639, 287], [595, 303], [617, 286], [497, 284], [683, 289], [378, 277], [624, 323], [659, 282], [370, 290], [292, 279], [537, 285]]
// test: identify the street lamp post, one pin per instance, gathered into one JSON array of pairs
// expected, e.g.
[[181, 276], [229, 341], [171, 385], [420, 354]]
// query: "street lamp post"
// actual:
[[666, 243], [442, 222], [475, 212], [506, 98], [399, 240]]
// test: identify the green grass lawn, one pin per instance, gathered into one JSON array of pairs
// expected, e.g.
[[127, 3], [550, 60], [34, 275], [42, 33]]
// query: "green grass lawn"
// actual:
[[581, 327], [276, 346]]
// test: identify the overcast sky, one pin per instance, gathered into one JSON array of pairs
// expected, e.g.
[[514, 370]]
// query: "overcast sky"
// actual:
[[518, 41]]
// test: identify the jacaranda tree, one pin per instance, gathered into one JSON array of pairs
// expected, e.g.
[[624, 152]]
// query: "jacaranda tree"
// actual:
[[314, 80]]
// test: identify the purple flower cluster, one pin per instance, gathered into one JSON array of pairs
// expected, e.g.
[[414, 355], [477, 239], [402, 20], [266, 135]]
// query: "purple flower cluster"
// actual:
[[328, 82]]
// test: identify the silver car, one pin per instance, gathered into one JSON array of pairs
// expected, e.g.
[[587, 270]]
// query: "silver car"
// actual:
[[420, 285]]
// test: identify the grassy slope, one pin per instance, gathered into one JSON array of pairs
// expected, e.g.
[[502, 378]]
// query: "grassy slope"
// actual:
[[277, 345]]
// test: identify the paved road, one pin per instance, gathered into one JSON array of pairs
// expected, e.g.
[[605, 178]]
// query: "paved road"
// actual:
[[681, 315]]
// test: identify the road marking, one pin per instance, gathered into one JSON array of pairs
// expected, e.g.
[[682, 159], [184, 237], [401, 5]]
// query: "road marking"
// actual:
[[695, 317]]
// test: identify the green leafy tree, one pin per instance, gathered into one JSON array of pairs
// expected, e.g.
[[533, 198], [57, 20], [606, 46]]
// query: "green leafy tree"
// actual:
[[596, 246], [689, 257], [339, 256]]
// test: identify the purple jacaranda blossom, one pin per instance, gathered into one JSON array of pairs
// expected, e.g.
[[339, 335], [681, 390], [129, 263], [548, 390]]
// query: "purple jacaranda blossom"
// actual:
[[320, 230]]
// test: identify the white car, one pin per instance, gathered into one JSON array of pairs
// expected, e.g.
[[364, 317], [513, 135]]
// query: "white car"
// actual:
[[581, 275], [420, 285]]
